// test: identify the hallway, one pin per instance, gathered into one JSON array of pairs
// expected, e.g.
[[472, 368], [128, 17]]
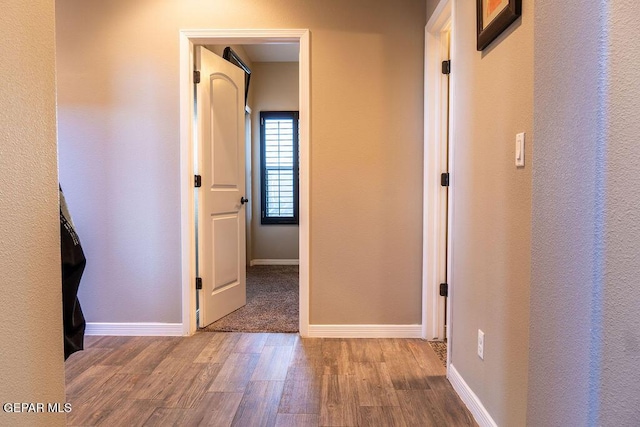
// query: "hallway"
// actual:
[[244, 379]]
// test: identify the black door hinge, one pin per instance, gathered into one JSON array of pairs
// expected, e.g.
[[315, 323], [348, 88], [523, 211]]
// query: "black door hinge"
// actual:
[[198, 283], [444, 179], [196, 77], [446, 67], [444, 289], [197, 181]]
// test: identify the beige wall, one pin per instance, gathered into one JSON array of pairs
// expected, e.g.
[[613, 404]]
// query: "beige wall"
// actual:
[[274, 87], [118, 77], [493, 101], [32, 368]]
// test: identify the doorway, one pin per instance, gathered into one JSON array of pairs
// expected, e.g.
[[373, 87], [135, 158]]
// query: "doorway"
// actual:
[[271, 98], [438, 206], [188, 40]]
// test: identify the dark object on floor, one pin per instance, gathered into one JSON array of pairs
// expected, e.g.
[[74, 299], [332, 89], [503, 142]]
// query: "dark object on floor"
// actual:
[[272, 302], [73, 263]]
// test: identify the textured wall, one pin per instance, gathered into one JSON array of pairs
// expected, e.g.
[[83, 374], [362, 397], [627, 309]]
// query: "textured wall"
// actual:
[[118, 79], [620, 393], [567, 214], [275, 88], [493, 101], [32, 368]]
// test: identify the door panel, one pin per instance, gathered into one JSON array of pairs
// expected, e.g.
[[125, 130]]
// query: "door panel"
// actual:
[[221, 148]]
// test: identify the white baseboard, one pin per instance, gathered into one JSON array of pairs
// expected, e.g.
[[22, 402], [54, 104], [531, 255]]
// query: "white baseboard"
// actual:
[[134, 329], [365, 331], [470, 399], [274, 262]]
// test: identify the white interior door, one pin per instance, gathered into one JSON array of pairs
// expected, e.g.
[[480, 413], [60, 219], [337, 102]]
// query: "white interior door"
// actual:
[[221, 158]]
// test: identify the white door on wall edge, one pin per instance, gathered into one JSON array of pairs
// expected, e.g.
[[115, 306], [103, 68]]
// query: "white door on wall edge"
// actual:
[[221, 203]]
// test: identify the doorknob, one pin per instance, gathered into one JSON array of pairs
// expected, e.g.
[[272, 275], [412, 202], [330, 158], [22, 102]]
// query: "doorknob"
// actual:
[[243, 200]]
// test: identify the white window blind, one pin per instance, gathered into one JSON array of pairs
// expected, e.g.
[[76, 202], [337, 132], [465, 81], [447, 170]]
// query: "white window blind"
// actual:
[[279, 187]]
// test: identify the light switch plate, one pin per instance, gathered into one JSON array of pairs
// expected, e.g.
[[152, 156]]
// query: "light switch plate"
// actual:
[[520, 149], [480, 344]]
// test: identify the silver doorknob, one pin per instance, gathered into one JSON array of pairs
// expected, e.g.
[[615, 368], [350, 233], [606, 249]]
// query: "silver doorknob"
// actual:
[[243, 200]]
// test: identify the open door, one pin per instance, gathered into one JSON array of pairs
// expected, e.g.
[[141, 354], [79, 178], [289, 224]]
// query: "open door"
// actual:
[[221, 164]]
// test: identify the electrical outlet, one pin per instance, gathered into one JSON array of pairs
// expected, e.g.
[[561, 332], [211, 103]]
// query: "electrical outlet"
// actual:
[[480, 344]]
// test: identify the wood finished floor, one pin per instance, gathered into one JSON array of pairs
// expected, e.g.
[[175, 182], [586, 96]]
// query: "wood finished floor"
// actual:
[[260, 379]]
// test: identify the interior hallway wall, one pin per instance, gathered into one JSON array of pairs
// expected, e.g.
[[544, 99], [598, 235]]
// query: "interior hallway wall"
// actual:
[[493, 101], [118, 78], [585, 265], [32, 368], [275, 88]]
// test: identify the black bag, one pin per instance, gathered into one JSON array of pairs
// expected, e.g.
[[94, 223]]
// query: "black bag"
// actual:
[[73, 263]]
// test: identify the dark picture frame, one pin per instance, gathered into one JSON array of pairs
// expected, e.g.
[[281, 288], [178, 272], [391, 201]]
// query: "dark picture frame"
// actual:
[[499, 15], [231, 56]]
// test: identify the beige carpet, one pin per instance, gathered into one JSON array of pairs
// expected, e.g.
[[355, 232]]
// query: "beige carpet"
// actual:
[[272, 302]]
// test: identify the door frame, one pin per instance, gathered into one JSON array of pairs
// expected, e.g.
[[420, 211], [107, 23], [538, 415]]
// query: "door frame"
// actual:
[[433, 306], [188, 39]]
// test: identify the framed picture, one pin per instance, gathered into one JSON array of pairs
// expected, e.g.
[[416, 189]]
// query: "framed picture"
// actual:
[[495, 16]]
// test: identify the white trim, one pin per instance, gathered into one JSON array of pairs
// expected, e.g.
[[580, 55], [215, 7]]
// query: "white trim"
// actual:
[[274, 262], [477, 409], [433, 257], [189, 38], [135, 329], [365, 331]]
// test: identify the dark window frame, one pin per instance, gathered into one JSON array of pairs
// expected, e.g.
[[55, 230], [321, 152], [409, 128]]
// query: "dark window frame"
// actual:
[[271, 220]]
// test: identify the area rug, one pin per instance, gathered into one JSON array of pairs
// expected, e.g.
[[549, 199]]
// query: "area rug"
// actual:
[[272, 302], [440, 348]]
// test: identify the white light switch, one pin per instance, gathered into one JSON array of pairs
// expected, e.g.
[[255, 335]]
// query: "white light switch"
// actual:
[[520, 149]]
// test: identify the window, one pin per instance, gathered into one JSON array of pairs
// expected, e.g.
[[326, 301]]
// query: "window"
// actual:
[[279, 166]]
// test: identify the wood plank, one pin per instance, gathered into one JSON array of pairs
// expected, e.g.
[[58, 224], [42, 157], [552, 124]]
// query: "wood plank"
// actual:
[[202, 381], [189, 389], [235, 373], [150, 357], [167, 417], [129, 412], [91, 379], [374, 385], [365, 350], [426, 358], [419, 409], [302, 392], [339, 405], [377, 416], [297, 420], [215, 409], [335, 356], [91, 409], [127, 350], [251, 343], [259, 404], [273, 364], [218, 348], [285, 339], [405, 372]]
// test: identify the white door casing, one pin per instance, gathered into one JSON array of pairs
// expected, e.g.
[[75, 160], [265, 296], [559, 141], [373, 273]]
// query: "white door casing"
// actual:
[[189, 38], [221, 215], [436, 249]]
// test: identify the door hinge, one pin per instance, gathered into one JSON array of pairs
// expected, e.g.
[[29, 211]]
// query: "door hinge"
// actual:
[[197, 181], [446, 67], [444, 289], [198, 283], [196, 77], [444, 179]]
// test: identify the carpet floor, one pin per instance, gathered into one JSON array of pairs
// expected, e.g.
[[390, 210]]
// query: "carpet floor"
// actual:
[[272, 302]]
